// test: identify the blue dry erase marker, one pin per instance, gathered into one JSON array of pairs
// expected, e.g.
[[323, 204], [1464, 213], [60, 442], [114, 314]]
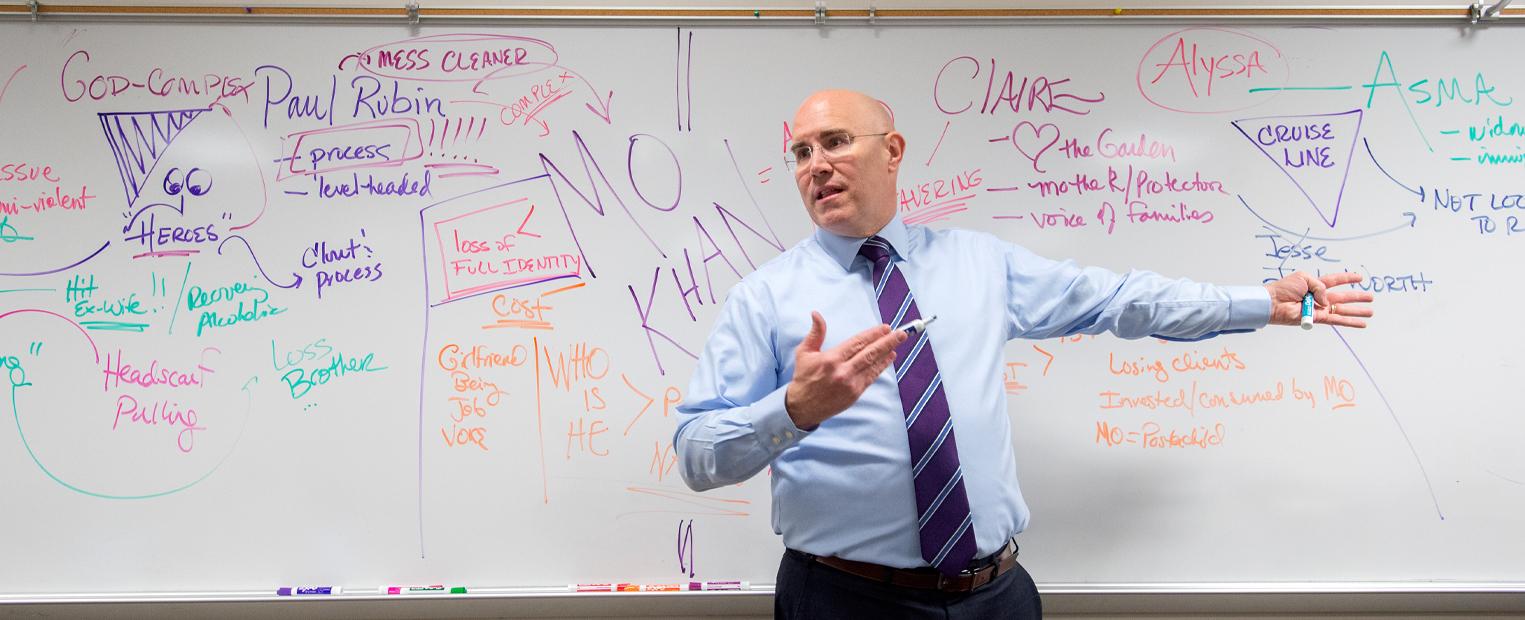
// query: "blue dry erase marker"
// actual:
[[917, 326], [1307, 311]]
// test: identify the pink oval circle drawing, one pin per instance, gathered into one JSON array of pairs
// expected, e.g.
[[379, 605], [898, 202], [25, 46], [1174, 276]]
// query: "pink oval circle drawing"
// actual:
[[1208, 70], [457, 57]]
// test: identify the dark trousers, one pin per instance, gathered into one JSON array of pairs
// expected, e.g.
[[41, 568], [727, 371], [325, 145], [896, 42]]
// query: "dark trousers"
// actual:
[[810, 590]]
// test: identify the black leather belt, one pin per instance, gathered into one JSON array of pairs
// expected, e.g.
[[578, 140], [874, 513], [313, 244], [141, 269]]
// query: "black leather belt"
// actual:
[[984, 571]]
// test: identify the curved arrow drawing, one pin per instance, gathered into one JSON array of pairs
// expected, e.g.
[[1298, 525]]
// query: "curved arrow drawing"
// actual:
[[602, 111], [261, 268], [248, 407], [1413, 219], [1367, 144], [7, 85], [603, 103], [66, 268]]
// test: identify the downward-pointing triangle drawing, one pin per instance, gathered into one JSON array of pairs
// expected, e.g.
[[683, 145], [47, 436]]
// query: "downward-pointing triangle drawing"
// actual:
[[139, 139], [1314, 151]]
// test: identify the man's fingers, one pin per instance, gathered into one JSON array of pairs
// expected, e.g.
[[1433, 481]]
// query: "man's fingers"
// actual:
[[816, 335], [1348, 307], [1325, 282], [1339, 309], [1341, 279], [1317, 288], [1350, 297], [1342, 308], [876, 355], [851, 347], [1343, 320], [883, 363]]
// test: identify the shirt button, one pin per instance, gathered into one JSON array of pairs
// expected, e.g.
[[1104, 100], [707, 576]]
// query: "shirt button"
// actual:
[[776, 440], [789, 434]]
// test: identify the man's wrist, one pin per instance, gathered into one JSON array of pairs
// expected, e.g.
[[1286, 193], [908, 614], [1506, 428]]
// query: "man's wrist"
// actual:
[[795, 415]]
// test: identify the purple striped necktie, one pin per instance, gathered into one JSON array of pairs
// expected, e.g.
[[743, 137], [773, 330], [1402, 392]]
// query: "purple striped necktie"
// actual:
[[942, 506]]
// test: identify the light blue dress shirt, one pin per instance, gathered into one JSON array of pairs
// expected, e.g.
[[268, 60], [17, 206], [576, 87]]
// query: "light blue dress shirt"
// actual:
[[844, 489]]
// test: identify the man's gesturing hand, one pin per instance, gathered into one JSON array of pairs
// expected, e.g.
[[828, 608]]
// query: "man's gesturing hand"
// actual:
[[1344, 308], [827, 382]]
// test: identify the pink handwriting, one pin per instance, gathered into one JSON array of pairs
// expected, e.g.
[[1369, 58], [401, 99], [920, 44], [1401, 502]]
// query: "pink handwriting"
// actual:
[[152, 414], [118, 371], [1027, 93]]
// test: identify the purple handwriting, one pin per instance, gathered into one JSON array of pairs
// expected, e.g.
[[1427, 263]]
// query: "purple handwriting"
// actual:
[[348, 262], [372, 99]]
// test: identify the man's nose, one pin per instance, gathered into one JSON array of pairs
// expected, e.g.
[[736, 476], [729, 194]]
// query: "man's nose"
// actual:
[[818, 164]]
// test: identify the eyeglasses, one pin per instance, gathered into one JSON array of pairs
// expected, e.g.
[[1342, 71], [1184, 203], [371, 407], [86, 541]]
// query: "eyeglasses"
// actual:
[[831, 146]]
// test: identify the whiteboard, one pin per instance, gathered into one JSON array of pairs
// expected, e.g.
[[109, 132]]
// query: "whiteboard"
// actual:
[[291, 304]]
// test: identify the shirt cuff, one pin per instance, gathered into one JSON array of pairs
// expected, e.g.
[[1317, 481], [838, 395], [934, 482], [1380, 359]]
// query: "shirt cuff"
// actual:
[[1249, 308], [774, 429]]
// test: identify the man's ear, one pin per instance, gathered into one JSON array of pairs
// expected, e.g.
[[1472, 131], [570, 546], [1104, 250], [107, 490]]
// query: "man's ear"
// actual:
[[896, 145]]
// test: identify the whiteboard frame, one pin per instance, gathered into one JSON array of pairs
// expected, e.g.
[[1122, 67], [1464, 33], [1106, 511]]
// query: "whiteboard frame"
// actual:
[[514, 602], [1210, 598], [413, 13]]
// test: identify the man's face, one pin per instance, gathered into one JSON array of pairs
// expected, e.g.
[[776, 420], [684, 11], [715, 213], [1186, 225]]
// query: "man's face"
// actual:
[[850, 192]]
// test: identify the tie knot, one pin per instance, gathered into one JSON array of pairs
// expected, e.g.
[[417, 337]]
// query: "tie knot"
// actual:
[[875, 249]]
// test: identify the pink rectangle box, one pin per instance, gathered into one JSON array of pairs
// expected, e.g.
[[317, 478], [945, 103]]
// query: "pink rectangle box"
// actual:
[[502, 246], [372, 144]]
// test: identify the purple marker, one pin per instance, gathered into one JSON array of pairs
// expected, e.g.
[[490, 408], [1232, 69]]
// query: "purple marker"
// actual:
[[309, 591]]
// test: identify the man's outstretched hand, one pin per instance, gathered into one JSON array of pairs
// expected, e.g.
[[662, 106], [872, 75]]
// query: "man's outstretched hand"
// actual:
[[1345, 308]]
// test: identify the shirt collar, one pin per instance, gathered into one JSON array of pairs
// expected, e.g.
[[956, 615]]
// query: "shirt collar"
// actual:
[[845, 249]]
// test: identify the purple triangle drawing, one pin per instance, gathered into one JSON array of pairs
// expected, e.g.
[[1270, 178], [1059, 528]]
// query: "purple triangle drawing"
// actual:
[[1313, 150], [139, 139]]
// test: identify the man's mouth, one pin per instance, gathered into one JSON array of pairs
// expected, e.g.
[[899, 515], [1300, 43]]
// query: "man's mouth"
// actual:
[[827, 192]]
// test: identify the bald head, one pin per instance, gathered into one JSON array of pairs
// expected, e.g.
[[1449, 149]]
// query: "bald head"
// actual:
[[848, 174], [870, 112]]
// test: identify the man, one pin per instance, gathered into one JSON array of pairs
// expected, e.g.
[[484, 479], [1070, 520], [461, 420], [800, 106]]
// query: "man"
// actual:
[[894, 483]]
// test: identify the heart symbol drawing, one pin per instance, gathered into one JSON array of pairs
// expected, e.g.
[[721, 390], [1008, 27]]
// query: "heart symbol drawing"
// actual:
[[1034, 147]]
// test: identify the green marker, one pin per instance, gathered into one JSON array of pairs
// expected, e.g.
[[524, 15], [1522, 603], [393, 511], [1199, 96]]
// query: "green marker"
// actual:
[[423, 590]]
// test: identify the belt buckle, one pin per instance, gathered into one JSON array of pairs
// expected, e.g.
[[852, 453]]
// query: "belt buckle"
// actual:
[[946, 583]]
